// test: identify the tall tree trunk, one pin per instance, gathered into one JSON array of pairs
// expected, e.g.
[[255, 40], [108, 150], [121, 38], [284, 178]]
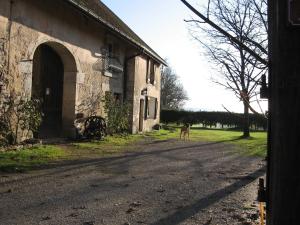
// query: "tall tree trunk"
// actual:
[[246, 130]]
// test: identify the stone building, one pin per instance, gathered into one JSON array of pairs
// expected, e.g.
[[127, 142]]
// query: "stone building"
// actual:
[[70, 53]]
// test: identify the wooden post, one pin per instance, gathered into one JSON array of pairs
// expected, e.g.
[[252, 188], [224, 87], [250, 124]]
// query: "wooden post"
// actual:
[[283, 179]]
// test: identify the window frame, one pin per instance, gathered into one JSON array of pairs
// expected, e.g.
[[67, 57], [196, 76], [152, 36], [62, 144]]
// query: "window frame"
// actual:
[[154, 101], [151, 68]]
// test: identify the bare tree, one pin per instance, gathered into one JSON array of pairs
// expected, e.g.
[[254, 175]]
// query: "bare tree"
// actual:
[[234, 38], [173, 94]]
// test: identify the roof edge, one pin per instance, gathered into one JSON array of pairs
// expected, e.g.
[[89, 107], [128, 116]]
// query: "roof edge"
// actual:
[[146, 49]]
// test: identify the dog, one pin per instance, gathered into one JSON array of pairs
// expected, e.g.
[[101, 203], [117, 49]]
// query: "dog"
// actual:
[[185, 132]]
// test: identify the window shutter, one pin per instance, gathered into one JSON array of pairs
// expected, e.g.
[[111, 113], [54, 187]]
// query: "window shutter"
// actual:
[[146, 107], [147, 71], [154, 72], [156, 108]]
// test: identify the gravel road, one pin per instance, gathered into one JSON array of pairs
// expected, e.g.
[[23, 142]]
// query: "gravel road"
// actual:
[[162, 182]]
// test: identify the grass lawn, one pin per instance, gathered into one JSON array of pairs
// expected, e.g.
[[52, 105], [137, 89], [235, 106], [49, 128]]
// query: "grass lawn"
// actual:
[[28, 158], [111, 145], [25, 159], [255, 145], [117, 141]]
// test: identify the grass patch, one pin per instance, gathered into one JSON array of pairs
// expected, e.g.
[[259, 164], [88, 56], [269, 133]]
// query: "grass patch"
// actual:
[[255, 145], [163, 134], [110, 141], [25, 159], [108, 146]]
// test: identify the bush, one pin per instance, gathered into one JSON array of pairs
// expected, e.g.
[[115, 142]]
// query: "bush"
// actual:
[[213, 119], [18, 118], [117, 114]]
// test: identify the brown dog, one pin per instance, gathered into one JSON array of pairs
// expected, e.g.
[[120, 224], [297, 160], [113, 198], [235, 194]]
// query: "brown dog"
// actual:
[[185, 131]]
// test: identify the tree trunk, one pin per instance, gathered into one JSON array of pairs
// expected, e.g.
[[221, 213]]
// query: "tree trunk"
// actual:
[[246, 130]]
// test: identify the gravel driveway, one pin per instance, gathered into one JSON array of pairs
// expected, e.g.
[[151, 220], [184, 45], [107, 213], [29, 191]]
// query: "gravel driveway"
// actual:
[[164, 182]]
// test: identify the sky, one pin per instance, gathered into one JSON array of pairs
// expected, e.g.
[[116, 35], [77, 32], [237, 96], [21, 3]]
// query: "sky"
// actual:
[[160, 23]]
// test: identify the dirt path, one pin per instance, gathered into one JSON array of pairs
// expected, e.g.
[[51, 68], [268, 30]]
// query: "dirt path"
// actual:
[[166, 182]]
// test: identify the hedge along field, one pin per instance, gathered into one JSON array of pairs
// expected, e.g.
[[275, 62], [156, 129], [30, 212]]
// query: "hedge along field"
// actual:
[[213, 119]]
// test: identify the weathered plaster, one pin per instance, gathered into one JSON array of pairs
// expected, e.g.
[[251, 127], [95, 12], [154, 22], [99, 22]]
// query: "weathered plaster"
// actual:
[[137, 78], [79, 42]]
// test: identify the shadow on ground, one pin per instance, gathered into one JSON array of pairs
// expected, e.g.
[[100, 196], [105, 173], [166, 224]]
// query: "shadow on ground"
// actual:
[[190, 210]]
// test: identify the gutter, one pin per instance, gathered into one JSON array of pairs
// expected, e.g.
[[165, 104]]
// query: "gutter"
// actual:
[[145, 49]]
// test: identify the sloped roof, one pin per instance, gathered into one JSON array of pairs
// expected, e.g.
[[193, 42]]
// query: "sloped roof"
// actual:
[[99, 11]]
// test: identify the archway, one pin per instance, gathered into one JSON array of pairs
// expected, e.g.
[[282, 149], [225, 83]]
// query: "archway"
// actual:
[[54, 82]]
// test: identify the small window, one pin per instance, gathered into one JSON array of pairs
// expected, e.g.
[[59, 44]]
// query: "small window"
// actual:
[[110, 50], [117, 97], [147, 71], [150, 72]]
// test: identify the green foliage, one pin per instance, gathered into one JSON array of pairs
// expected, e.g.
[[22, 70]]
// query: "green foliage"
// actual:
[[30, 114], [4, 130], [117, 114], [28, 158], [212, 119], [18, 117]]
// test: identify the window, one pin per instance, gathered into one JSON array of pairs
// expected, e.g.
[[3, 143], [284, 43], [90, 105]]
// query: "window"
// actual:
[[151, 68], [152, 73], [110, 50], [111, 61], [147, 71], [151, 108], [117, 97]]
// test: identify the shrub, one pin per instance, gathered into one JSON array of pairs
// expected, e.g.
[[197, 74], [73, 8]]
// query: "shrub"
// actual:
[[18, 117], [117, 114], [212, 119]]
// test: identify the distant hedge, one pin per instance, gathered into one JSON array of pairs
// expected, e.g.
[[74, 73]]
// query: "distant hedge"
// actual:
[[213, 119]]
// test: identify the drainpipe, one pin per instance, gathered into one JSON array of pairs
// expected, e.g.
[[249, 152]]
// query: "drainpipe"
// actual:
[[142, 51]]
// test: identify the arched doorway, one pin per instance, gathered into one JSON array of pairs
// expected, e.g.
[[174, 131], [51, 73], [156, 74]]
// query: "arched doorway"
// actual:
[[54, 82]]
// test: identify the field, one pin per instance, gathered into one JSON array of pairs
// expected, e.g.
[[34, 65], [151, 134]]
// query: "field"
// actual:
[[41, 155], [255, 145]]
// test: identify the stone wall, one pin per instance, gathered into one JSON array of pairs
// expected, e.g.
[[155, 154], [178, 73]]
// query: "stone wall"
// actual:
[[4, 28], [138, 77], [79, 41]]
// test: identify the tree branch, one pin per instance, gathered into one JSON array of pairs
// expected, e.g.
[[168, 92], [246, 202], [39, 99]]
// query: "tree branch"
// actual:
[[229, 36]]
